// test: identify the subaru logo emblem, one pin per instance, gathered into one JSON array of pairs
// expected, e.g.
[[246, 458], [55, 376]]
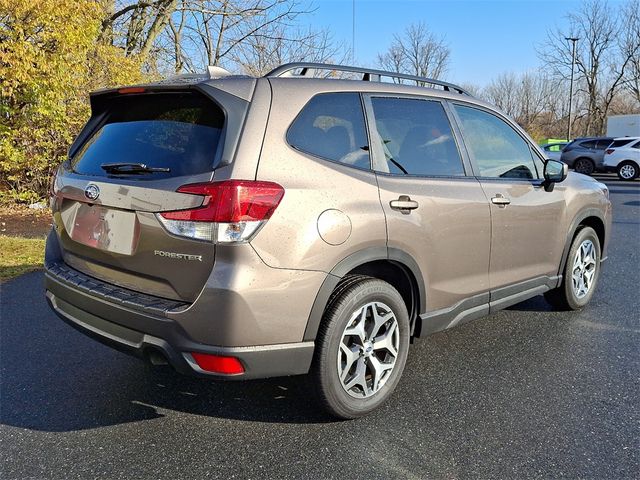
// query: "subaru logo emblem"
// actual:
[[92, 192]]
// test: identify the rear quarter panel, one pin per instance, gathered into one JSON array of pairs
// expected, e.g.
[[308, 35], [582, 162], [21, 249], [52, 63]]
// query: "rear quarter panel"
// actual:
[[291, 238]]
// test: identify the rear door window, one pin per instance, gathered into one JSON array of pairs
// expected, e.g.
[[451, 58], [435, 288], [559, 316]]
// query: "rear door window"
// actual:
[[331, 126], [176, 131], [416, 137], [588, 144]]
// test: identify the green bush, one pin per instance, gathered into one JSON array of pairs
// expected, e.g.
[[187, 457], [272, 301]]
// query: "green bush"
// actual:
[[50, 58]]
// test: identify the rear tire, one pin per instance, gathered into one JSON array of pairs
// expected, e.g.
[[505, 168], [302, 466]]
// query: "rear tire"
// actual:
[[580, 276], [361, 347], [628, 170], [584, 166]]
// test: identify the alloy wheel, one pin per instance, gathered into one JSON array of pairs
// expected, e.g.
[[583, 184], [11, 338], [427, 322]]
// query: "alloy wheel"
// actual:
[[584, 166], [584, 269], [368, 349], [627, 172]]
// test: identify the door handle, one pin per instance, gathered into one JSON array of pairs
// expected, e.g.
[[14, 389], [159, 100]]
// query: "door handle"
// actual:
[[500, 200], [404, 204]]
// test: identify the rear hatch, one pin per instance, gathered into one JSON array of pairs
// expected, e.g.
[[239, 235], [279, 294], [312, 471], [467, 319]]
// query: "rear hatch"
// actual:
[[138, 148]]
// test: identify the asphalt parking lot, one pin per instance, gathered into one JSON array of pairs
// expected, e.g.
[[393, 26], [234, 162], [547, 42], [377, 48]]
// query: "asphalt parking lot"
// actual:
[[526, 392]]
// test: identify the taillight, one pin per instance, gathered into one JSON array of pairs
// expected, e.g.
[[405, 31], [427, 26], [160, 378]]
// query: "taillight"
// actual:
[[609, 151], [232, 210]]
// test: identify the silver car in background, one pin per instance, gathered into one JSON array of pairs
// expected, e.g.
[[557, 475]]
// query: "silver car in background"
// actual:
[[553, 150], [586, 155]]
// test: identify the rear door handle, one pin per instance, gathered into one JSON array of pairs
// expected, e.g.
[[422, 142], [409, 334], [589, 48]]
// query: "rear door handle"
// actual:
[[500, 200], [404, 204]]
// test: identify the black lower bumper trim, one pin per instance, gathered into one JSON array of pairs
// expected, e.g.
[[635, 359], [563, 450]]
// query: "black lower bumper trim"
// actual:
[[259, 361]]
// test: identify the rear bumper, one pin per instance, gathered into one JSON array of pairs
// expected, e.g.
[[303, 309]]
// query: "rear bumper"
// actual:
[[168, 339]]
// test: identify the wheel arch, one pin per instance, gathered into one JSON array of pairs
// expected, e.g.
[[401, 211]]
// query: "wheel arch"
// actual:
[[635, 163], [392, 265], [591, 217]]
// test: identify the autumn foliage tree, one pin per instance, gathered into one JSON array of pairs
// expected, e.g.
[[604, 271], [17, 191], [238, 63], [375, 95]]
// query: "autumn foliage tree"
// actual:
[[49, 60]]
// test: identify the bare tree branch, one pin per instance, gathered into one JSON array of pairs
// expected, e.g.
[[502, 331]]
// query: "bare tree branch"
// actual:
[[418, 52]]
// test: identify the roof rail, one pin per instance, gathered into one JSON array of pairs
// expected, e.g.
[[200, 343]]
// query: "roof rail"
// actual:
[[368, 74]]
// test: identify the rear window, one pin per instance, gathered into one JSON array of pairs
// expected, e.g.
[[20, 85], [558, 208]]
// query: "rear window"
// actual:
[[178, 131]]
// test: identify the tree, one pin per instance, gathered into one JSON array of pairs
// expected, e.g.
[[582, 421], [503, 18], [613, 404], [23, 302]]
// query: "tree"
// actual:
[[280, 44], [630, 46], [532, 99], [417, 52], [606, 52], [49, 60], [187, 35]]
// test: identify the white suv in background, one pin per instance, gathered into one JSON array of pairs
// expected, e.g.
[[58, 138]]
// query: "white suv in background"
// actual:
[[623, 157]]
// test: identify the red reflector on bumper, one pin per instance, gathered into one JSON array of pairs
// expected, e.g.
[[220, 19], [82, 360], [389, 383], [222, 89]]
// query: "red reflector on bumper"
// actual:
[[218, 364], [127, 90]]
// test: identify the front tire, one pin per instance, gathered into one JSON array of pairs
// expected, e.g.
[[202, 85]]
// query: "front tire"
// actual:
[[361, 347], [581, 273], [628, 170], [584, 166]]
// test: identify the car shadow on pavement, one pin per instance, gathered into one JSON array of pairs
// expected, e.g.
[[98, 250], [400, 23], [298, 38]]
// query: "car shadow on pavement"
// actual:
[[53, 378], [535, 304]]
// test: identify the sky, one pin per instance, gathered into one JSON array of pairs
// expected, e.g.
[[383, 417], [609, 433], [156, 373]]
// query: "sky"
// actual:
[[485, 37]]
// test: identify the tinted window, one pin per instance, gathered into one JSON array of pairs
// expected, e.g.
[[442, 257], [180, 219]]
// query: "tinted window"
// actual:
[[331, 126], [620, 143], [416, 137], [177, 131], [636, 145], [497, 148], [588, 144], [604, 143]]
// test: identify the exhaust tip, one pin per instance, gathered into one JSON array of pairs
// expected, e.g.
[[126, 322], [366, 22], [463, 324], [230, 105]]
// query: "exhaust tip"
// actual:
[[156, 357]]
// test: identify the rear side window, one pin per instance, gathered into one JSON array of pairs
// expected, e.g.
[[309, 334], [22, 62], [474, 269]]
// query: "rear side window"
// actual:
[[331, 126], [636, 145], [620, 143], [498, 150], [178, 131], [588, 144]]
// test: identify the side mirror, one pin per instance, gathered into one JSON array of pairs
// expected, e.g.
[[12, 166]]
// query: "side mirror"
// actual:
[[554, 172]]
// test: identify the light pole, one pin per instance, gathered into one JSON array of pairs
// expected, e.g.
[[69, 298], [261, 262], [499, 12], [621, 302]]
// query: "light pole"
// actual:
[[573, 40], [353, 32]]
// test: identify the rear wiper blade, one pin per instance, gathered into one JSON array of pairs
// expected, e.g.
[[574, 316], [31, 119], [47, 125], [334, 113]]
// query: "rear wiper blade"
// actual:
[[132, 168]]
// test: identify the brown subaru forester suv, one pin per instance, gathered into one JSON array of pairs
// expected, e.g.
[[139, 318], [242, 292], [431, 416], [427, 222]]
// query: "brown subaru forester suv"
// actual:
[[311, 221]]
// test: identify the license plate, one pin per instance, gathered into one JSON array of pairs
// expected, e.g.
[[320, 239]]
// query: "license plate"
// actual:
[[104, 228]]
